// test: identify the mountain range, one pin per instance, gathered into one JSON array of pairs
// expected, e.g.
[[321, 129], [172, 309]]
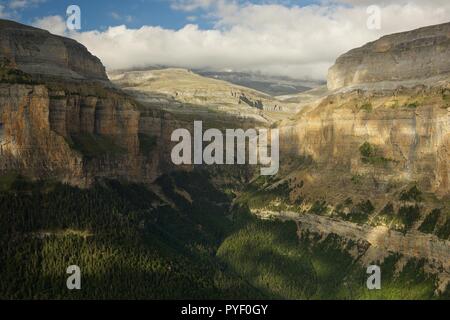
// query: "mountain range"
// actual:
[[87, 178]]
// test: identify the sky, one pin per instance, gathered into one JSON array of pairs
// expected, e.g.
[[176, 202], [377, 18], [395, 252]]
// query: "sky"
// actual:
[[296, 38]]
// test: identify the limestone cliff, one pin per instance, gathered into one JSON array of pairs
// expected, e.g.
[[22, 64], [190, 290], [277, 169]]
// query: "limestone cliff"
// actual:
[[41, 54], [409, 130], [71, 137], [392, 97], [61, 118], [28, 144], [405, 58], [385, 128]]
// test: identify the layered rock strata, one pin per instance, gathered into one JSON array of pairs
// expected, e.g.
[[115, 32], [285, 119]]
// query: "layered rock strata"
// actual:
[[406, 58], [44, 55]]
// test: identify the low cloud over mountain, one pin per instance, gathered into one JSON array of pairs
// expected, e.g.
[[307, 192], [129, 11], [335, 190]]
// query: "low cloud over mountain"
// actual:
[[274, 37]]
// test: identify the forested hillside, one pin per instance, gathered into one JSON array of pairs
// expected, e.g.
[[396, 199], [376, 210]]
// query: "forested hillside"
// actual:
[[179, 240]]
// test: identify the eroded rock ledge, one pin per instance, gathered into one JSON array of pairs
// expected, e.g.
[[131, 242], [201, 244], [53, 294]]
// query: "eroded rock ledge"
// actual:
[[377, 243]]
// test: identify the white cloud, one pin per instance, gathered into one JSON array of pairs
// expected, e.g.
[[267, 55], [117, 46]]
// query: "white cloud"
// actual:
[[119, 17], [3, 14], [18, 4], [191, 5], [115, 15], [12, 9], [21, 4], [296, 41], [54, 24]]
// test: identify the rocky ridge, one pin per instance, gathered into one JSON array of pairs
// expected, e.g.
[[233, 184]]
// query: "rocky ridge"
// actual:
[[408, 58], [374, 244], [44, 55], [181, 90], [409, 130], [60, 117], [392, 95], [384, 127]]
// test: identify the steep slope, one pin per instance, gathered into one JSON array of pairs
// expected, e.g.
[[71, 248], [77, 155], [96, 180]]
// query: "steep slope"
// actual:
[[375, 152], [42, 54], [364, 175], [186, 92], [271, 85], [408, 58], [399, 135], [407, 132], [60, 117]]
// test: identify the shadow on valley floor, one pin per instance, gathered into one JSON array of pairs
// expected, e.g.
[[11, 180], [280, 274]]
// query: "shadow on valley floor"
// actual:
[[132, 243]]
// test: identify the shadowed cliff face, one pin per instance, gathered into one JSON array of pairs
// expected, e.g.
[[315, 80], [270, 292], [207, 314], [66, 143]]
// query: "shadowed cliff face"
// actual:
[[28, 143], [60, 116], [58, 121], [44, 55], [72, 137], [93, 129], [392, 96], [404, 58], [107, 134], [408, 130]]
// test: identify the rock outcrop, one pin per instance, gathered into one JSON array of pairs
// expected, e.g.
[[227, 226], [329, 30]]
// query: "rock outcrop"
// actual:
[[392, 94], [61, 118], [42, 54], [71, 137], [374, 244], [406, 58], [106, 133], [27, 143], [408, 128]]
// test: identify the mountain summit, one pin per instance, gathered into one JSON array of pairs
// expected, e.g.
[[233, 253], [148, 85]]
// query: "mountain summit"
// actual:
[[42, 54], [406, 58]]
